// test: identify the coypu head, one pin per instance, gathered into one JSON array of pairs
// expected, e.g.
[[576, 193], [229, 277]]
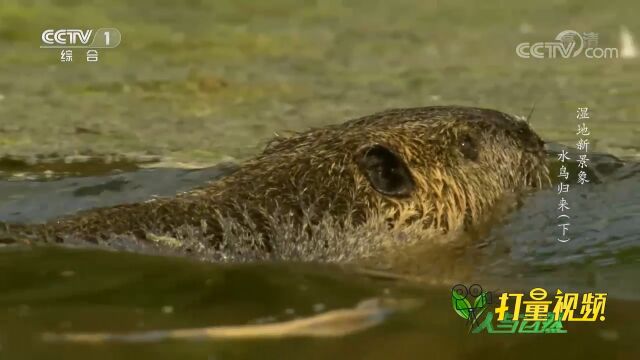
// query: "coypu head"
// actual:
[[445, 167], [433, 168]]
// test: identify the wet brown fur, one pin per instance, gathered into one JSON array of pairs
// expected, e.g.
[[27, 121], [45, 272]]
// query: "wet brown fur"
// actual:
[[315, 174]]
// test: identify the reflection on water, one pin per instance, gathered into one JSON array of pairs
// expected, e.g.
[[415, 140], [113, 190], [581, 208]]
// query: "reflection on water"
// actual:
[[604, 250], [38, 201], [61, 290]]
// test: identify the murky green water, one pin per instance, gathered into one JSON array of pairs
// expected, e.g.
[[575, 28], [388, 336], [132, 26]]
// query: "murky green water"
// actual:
[[199, 82], [90, 291]]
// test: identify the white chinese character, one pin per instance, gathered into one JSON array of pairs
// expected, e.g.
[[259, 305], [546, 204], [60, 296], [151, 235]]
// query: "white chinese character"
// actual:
[[591, 38], [582, 178], [583, 130], [563, 188], [92, 55], [583, 145], [582, 162], [563, 172], [564, 155], [583, 113], [565, 228], [66, 56], [563, 205]]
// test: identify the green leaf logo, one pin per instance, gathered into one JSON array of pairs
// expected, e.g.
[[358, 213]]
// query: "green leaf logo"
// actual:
[[460, 304], [481, 301]]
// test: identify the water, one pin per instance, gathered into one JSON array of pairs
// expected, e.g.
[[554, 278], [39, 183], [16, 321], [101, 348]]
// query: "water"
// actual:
[[201, 82], [90, 291], [46, 290]]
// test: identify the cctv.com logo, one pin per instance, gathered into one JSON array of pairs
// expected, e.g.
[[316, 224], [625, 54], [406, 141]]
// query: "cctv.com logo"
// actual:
[[567, 44]]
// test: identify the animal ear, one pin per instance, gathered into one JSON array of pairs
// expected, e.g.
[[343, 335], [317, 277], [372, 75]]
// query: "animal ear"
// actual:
[[387, 172]]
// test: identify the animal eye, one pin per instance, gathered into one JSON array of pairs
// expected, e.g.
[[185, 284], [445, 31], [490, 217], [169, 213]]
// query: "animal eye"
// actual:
[[468, 148], [386, 171]]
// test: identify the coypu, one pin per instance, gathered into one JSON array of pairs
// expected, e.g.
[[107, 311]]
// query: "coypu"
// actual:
[[442, 168]]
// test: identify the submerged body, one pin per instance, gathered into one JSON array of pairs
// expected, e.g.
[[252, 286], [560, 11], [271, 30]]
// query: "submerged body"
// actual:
[[438, 168]]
